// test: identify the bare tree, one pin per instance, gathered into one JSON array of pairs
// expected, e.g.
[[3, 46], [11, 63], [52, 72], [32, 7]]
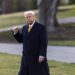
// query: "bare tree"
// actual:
[[7, 6], [47, 13], [22, 5]]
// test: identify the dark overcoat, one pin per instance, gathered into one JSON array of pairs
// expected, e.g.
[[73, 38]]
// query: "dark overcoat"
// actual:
[[34, 45]]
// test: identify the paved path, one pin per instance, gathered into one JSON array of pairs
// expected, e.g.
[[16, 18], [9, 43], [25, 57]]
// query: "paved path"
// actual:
[[58, 53], [9, 28], [66, 20]]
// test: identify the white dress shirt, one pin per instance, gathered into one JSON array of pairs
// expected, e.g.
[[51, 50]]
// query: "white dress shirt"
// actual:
[[32, 25]]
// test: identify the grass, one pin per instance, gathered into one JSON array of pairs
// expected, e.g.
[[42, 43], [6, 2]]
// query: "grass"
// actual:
[[59, 68], [62, 42], [18, 18], [11, 19], [66, 13], [10, 64]]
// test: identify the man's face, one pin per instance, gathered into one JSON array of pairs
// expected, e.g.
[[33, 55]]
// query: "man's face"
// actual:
[[29, 18]]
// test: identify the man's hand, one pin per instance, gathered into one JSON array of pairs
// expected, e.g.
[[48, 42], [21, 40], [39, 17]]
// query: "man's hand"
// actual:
[[15, 29], [41, 59]]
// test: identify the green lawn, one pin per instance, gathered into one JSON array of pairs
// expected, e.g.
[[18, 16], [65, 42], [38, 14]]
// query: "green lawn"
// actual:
[[59, 68], [66, 13], [11, 19], [10, 64], [62, 42], [18, 18]]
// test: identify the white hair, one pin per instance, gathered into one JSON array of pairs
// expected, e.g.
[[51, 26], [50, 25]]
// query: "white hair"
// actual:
[[29, 12]]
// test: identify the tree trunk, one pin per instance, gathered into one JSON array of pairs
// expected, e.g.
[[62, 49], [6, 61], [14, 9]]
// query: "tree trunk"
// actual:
[[52, 21], [47, 13]]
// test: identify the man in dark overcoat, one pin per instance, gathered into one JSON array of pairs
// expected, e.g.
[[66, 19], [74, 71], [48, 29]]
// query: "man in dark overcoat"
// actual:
[[34, 39]]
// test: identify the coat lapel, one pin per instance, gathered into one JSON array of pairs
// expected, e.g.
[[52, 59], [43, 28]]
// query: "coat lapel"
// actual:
[[32, 31]]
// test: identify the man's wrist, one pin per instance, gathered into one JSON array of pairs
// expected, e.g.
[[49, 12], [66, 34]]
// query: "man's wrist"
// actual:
[[42, 56], [15, 33]]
